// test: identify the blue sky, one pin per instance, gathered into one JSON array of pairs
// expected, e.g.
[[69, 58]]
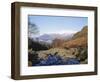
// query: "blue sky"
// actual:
[[58, 24]]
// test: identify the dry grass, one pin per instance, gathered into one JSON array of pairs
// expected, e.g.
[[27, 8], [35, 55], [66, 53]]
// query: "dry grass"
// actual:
[[60, 52], [81, 41]]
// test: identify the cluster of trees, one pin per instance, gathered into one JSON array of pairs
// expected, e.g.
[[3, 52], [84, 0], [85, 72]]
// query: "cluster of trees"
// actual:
[[36, 46], [57, 42]]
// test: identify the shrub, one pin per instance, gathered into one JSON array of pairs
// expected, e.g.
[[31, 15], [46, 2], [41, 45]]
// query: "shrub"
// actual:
[[33, 57]]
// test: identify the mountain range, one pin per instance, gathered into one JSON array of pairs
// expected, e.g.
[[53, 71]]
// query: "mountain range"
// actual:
[[50, 37]]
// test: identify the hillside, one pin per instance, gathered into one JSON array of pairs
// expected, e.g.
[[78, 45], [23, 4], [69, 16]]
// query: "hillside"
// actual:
[[78, 39], [82, 33]]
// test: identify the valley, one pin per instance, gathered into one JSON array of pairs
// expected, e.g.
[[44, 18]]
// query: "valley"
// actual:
[[59, 49]]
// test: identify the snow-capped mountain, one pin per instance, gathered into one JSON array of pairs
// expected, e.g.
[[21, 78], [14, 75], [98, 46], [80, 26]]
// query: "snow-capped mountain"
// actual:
[[50, 37]]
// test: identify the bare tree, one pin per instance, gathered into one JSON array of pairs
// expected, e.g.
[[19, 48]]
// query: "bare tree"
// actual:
[[32, 28]]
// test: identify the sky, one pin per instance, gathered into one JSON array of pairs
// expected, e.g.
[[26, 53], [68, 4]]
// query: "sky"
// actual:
[[58, 24]]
